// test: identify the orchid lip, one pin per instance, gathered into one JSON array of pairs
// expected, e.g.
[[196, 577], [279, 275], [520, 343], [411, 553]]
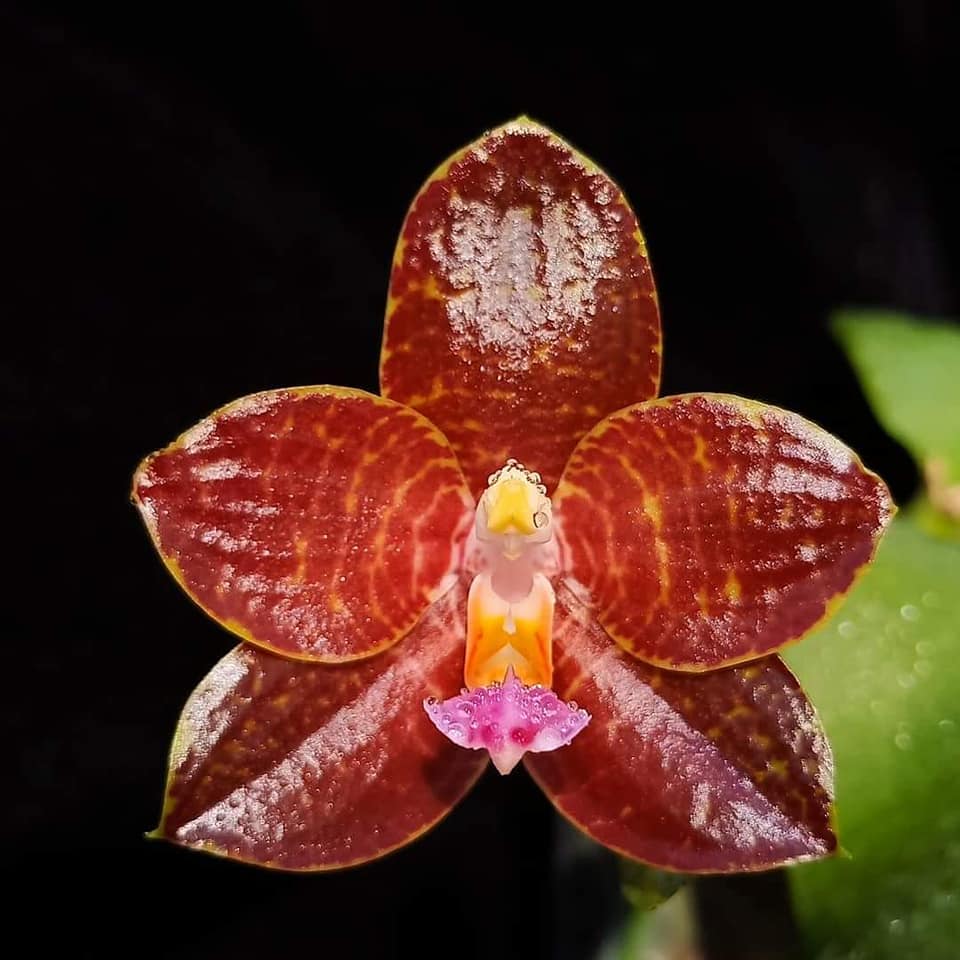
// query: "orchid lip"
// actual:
[[507, 720]]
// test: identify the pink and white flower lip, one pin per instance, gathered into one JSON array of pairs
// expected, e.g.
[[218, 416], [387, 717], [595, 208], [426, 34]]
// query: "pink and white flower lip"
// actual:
[[507, 719]]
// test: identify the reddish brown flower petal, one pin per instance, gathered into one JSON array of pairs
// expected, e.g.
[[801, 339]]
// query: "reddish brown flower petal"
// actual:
[[714, 772], [304, 766], [318, 522], [709, 530], [522, 307]]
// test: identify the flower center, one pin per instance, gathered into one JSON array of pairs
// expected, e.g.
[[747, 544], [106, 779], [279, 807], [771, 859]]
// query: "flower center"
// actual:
[[510, 607], [507, 706]]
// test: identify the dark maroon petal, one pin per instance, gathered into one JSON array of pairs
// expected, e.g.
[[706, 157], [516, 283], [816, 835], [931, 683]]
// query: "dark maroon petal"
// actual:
[[713, 772], [708, 530], [522, 307], [306, 766], [318, 522]]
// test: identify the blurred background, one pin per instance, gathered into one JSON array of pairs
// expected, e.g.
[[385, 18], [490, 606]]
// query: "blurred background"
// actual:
[[200, 204]]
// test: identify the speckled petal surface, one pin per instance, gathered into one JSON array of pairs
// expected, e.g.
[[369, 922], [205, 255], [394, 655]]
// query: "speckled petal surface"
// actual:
[[317, 522], [522, 308], [302, 766], [717, 772], [708, 530]]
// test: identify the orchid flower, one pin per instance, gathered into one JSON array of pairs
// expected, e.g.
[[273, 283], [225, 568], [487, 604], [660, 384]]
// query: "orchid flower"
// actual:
[[605, 577]]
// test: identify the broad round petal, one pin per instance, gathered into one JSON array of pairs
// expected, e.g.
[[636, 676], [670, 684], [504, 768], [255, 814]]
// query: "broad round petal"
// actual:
[[306, 766], [708, 773], [708, 530], [522, 308], [317, 522]]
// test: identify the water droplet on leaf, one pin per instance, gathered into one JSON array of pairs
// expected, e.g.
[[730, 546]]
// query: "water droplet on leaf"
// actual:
[[903, 741]]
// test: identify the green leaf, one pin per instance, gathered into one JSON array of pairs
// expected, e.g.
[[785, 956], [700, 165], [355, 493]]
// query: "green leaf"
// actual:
[[667, 933], [883, 675], [910, 372], [646, 887]]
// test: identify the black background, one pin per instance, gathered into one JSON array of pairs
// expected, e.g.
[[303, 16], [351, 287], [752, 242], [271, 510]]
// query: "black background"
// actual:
[[199, 206]]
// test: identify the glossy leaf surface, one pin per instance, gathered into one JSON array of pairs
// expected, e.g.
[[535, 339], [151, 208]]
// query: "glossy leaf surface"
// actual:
[[884, 677], [715, 772], [305, 766], [522, 307], [710, 530], [317, 522]]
